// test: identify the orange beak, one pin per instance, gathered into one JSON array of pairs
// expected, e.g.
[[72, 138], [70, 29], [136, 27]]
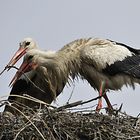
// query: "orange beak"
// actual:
[[25, 67], [20, 52]]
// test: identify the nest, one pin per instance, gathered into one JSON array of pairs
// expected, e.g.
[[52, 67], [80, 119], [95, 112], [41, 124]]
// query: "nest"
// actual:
[[63, 124]]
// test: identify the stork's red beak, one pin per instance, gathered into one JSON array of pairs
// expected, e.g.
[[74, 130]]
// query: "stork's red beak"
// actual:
[[20, 52], [25, 67]]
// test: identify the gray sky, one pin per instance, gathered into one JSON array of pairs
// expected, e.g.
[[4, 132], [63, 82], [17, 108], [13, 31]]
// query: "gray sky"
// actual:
[[54, 23]]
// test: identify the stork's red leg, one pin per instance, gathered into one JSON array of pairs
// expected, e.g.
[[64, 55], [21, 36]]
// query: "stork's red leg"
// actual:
[[108, 102], [110, 108], [99, 106], [103, 93]]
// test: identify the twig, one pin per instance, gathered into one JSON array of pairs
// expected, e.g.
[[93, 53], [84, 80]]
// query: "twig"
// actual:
[[33, 99], [135, 137], [85, 102], [77, 103], [83, 108], [69, 105], [56, 132], [28, 120], [2, 102], [3, 71], [119, 110], [71, 94]]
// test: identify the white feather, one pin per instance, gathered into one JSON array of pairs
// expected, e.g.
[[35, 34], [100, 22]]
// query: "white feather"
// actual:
[[102, 54]]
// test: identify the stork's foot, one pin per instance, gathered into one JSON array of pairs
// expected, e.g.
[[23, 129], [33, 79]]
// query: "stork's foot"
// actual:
[[110, 110], [99, 106]]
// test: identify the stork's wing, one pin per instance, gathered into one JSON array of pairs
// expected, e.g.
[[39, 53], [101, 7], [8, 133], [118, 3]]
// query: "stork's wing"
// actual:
[[130, 66], [112, 58]]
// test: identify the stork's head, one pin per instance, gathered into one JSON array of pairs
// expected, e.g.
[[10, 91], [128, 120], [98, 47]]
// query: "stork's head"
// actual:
[[24, 46], [32, 60]]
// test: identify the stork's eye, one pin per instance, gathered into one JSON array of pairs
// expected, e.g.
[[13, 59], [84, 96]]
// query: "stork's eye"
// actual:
[[27, 43]]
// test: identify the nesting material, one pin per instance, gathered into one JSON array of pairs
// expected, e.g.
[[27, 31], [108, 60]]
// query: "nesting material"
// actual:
[[66, 125]]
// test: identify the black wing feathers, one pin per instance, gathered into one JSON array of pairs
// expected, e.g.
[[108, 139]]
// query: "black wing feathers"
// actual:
[[130, 65]]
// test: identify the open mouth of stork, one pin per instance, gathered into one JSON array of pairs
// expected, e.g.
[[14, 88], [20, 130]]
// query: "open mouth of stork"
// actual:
[[25, 67], [20, 52]]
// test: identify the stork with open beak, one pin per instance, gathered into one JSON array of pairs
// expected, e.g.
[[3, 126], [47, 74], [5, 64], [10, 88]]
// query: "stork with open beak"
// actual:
[[24, 46], [99, 61], [30, 85]]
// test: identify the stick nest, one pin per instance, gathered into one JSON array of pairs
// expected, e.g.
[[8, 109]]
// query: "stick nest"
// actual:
[[54, 124]]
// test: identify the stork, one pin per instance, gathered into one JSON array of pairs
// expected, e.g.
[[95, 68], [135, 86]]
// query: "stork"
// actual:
[[23, 86], [94, 59]]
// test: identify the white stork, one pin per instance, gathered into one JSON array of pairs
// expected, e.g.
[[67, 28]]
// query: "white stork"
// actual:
[[96, 60], [23, 86]]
